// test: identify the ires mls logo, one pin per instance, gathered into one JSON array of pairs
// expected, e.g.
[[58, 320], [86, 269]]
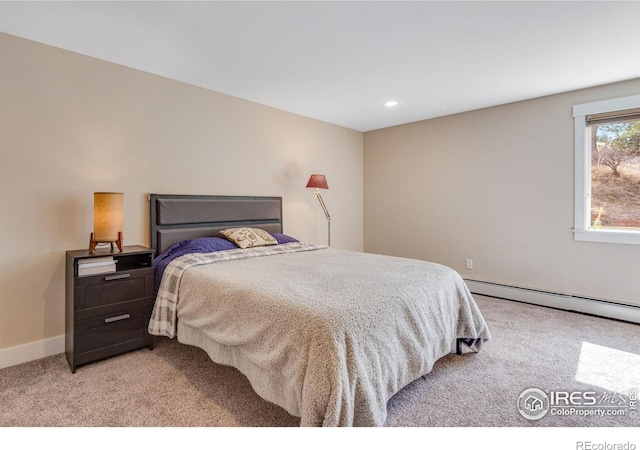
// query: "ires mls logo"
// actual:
[[534, 404]]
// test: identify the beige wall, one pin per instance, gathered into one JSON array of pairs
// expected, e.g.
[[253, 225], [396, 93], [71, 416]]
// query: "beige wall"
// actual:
[[72, 125], [494, 185]]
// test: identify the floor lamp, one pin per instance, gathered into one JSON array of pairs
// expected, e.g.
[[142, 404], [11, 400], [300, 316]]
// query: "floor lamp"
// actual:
[[318, 182]]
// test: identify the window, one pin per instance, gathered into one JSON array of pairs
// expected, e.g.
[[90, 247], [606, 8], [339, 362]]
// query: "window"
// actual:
[[607, 171]]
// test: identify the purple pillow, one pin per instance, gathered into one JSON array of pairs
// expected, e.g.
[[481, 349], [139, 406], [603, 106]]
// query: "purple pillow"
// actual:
[[283, 238], [198, 245], [201, 245]]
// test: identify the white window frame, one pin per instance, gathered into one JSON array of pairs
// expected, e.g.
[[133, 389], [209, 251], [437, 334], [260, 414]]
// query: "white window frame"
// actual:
[[582, 209]]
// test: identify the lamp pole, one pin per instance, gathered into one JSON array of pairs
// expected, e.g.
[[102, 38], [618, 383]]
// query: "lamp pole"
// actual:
[[326, 213]]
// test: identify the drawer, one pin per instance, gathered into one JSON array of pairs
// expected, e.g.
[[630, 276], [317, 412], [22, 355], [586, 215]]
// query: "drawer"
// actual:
[[108, 289], [111, 329], [114, 292]]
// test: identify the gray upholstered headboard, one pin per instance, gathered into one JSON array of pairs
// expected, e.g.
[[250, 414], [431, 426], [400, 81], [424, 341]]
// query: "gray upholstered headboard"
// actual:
[[178, 217]]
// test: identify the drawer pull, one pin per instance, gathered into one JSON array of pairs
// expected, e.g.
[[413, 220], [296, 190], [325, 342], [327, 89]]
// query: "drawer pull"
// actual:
[[116, 318], [117, 277]]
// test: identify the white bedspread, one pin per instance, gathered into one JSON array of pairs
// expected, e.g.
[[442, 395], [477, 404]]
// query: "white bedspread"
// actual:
[[329, 335]]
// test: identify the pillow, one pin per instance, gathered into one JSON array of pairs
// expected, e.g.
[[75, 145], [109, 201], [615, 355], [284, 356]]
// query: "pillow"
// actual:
[[283, 238], [246, 237], [198, 245]]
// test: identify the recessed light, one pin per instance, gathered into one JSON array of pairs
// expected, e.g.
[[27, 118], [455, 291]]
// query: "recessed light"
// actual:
[[390, 103]]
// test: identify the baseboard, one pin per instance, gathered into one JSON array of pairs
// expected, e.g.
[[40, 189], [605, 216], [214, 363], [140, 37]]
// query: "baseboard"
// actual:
[[568, 302], [32, 351]]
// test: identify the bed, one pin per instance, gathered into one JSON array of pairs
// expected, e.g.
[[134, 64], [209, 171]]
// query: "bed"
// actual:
[[329, 335]]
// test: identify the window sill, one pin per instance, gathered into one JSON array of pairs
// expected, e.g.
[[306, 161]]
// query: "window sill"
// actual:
[[608, 236]]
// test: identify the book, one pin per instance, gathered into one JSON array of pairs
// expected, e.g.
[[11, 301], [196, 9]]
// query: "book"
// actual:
[[94, 270], [93, 262], [98, 264]]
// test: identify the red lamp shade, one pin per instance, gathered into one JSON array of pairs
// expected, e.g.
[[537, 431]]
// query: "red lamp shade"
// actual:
[[317, 181]]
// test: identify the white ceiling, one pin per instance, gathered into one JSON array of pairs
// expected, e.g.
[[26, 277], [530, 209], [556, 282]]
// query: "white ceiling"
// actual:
[[339, 61]]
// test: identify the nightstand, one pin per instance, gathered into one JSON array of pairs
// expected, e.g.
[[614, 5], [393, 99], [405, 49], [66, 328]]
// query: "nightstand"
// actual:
[[107, 313]]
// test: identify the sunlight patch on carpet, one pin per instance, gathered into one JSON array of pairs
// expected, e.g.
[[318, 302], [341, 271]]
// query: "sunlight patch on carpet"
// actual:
[[608, 368]]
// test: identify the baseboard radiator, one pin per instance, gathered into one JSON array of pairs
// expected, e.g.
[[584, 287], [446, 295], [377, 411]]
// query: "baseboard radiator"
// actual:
[[568, 302]]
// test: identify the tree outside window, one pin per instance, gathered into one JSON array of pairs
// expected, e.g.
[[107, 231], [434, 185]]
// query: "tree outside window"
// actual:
[[615, 175]]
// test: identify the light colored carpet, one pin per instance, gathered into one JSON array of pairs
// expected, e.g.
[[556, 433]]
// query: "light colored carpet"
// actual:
[[178, 386]]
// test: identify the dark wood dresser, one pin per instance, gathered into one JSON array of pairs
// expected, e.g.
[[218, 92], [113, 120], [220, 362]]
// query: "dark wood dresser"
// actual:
[[107, 313]]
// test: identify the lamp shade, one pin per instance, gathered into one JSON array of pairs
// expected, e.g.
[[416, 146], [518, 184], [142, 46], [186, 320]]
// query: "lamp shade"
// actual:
[[317, 181], [108, 212]]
